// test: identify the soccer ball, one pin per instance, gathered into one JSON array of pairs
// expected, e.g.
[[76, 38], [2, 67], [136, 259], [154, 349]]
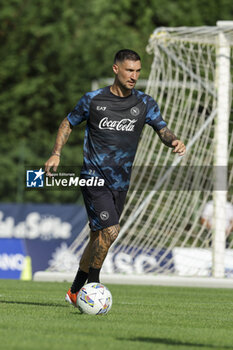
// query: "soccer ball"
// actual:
[[94, 299]]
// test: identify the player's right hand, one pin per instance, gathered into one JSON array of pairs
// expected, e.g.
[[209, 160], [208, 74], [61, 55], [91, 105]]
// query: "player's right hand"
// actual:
[[52, 162]]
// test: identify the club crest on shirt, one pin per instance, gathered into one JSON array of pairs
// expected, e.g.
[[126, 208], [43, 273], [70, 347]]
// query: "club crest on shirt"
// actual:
[[134, 111], [118, 125], [104, 215]]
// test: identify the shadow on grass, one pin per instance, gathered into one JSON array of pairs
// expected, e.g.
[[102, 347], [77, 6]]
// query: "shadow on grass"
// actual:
[[32, 303], [174, 342]]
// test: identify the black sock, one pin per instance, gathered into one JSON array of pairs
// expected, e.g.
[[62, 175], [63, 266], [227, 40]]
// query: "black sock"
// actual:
[[79, 281], [93, 275]]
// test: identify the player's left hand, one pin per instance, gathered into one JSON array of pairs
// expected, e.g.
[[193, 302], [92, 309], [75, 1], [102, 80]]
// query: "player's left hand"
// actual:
[[179, 147]]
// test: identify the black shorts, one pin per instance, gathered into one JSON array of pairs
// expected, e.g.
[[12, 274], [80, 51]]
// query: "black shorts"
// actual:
[[104, 206]]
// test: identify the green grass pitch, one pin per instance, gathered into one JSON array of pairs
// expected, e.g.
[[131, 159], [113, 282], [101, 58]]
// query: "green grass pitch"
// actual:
[[34, 315]]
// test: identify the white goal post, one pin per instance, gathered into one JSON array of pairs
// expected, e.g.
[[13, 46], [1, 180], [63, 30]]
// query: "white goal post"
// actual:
[[162, 232]]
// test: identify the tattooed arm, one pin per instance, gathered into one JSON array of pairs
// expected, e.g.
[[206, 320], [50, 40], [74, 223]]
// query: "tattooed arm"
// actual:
[[62, 137], [166, 136], [170, 140]]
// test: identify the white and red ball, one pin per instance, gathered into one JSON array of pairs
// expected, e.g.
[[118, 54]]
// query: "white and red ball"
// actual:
[[94, 299]]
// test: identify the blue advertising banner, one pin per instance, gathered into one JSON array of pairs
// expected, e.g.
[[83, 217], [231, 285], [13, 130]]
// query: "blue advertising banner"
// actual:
[[120, 259], [137, 260], [12, 257], [31, 233]]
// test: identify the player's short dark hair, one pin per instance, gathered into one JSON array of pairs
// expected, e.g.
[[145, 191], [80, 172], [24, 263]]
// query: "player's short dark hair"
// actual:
[[126, 54]]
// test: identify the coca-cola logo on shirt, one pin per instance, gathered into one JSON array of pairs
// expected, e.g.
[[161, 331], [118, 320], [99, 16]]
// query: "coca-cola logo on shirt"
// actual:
[[119, 125]]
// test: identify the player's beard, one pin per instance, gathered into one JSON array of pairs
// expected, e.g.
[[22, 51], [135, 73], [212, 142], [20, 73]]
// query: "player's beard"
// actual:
[[125, 86]]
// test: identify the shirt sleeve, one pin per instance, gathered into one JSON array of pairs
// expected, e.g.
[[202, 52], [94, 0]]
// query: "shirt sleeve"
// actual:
[[80, 112], [208, 210], [153, 116]]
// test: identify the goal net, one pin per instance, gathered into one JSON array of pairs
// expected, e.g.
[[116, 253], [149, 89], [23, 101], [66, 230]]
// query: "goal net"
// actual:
[[161, 227]]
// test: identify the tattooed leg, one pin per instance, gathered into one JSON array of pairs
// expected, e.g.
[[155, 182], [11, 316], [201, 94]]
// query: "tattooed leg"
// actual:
[[102, 244], [83, 271], [85, 259]]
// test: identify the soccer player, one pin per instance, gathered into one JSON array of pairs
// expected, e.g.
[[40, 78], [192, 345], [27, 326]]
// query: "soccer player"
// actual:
[[115, 116]]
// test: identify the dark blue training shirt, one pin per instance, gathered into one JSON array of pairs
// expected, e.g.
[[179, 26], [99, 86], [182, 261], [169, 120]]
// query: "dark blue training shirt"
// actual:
[[114, 125]]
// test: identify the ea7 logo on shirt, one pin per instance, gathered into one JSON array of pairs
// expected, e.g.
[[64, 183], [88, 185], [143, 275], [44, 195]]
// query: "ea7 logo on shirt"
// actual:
[[134, 111], [101, 108], [119, 125]]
